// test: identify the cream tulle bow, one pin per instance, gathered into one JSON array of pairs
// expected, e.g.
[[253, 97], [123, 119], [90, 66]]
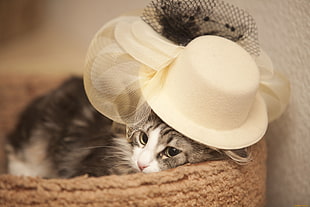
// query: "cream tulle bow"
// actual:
[[127, 55]]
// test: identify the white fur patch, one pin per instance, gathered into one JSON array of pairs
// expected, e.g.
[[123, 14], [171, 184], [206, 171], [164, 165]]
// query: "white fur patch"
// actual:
[[146, 156], [31, 161]]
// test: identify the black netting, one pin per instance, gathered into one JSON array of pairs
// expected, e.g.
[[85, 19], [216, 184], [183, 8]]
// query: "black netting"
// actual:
[[182, 21]]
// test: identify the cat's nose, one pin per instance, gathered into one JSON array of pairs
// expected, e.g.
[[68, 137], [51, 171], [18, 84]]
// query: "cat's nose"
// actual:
[[142, 166]]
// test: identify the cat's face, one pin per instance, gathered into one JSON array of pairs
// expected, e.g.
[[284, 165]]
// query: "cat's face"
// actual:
[[157, 147]]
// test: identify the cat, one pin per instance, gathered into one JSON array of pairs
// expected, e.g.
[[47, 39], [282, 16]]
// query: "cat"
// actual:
[[61, 135]]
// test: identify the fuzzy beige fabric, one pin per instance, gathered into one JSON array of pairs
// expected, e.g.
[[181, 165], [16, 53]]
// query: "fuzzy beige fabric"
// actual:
[[218, 183]]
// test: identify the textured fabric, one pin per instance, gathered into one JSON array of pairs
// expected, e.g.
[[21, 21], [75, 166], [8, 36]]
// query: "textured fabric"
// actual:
[[220, 183]]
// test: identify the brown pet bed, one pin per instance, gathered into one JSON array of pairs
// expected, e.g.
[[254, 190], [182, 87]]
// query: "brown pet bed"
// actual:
[[219, 183]]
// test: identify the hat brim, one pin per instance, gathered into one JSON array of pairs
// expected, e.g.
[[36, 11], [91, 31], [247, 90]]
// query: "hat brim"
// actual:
[[250, 132]]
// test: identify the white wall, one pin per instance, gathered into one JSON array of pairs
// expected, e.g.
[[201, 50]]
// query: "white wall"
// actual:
[[83, 18], [284, 31]]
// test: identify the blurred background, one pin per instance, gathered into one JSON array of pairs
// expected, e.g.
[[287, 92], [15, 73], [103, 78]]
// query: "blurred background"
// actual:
[[50, 37]]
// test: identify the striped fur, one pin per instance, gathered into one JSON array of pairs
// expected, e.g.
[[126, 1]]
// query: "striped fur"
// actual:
[[61, 135]]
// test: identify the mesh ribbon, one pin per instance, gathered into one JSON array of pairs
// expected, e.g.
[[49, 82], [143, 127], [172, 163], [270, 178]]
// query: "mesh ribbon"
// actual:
[[182, 21]]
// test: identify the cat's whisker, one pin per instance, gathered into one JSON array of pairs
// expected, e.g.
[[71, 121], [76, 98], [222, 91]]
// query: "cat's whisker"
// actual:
[[94, 147]]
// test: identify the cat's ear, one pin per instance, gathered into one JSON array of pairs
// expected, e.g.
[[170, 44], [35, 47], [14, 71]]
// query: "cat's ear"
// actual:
[[241, 156]]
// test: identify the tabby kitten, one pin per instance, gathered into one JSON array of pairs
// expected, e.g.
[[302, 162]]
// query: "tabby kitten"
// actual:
[[60, 135]]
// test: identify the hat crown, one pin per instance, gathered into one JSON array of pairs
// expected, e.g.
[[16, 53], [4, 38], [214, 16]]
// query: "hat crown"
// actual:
[[213, 82]]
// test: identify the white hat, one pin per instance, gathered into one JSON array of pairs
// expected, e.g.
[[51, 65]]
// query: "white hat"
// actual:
[[211, 90], [210, 94]]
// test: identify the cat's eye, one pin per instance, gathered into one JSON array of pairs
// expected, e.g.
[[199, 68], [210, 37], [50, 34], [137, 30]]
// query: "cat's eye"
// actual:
[[171, 151], [143, 138]]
